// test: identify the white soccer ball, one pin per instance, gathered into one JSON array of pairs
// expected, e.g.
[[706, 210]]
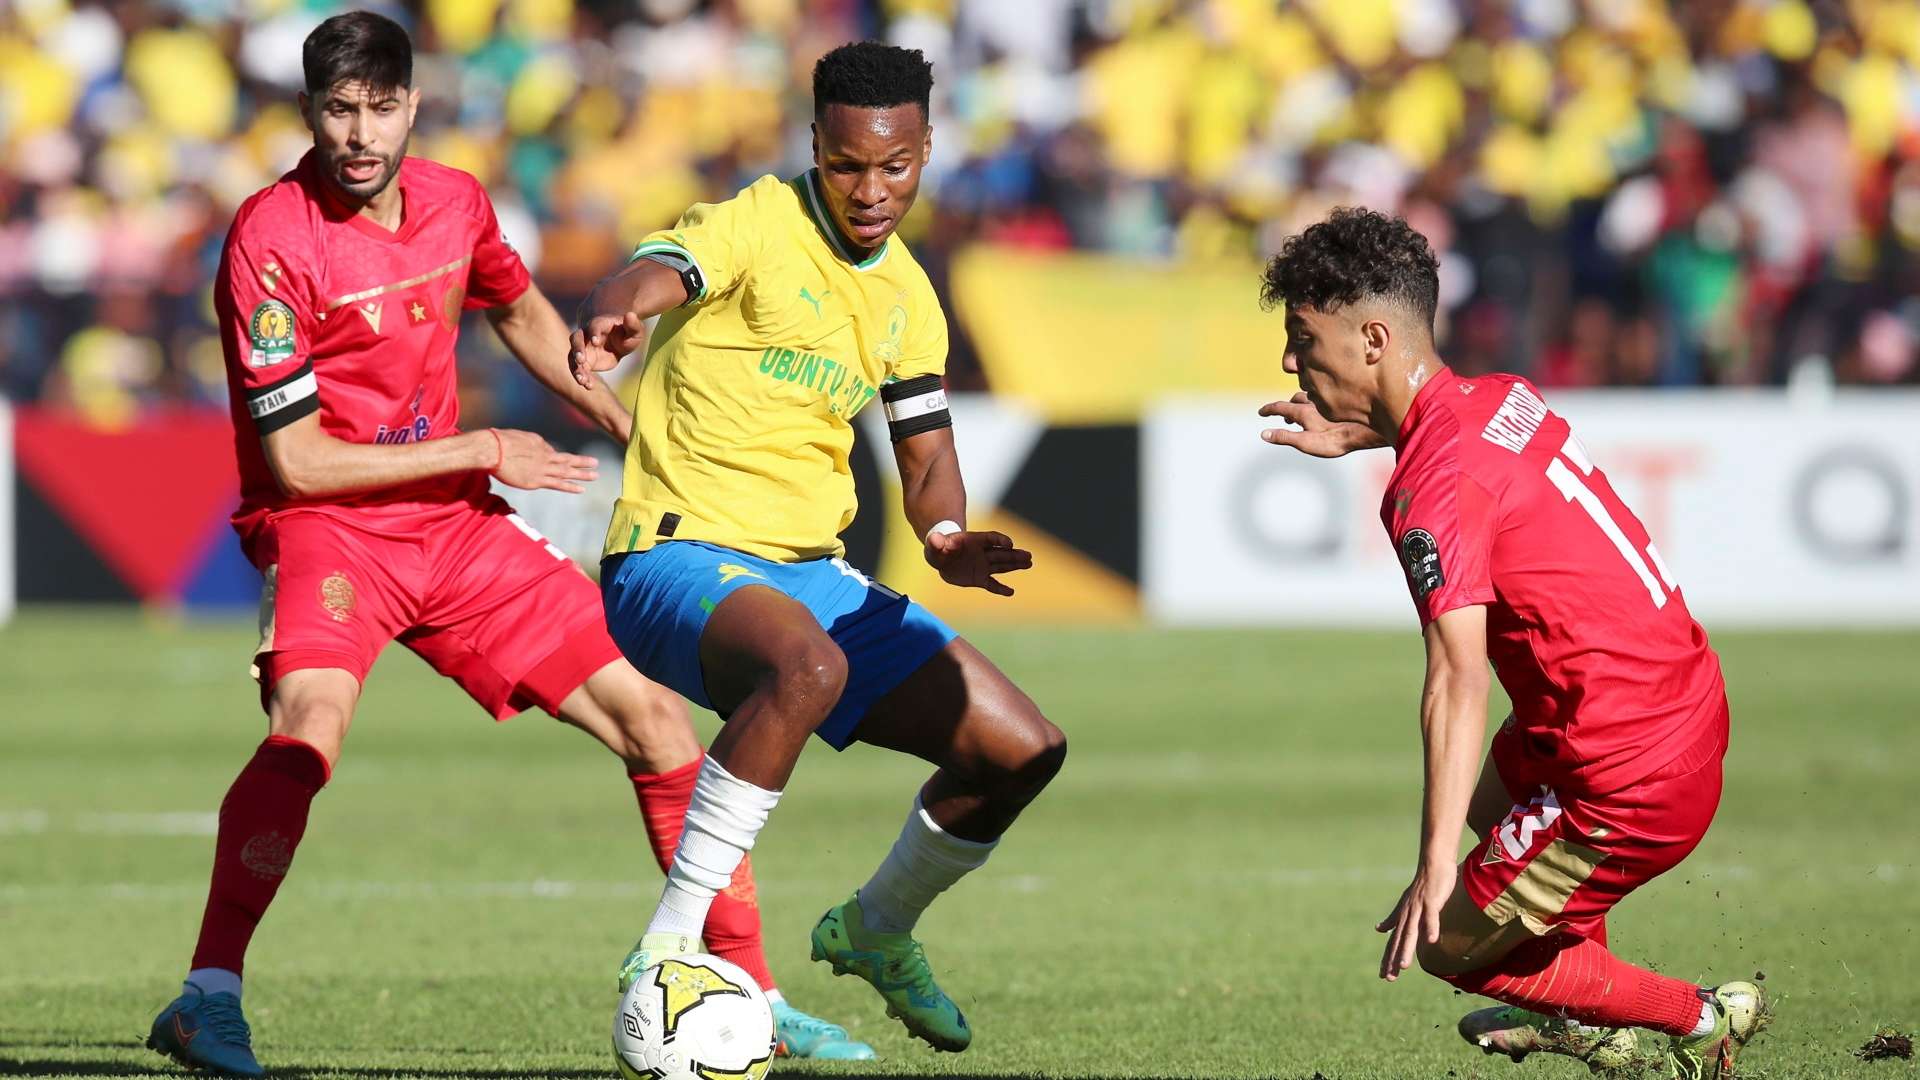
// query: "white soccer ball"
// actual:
[[693, 1017]]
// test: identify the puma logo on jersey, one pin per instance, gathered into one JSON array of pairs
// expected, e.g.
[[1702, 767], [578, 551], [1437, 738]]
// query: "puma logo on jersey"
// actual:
[[809, 298]]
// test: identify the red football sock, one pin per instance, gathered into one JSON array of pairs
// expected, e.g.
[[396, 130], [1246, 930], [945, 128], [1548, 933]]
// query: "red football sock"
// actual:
[[261, 822], [1575, 977], [733, 922]]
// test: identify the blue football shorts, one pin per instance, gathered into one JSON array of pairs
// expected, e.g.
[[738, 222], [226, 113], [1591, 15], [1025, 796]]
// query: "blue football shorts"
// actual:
[[658, 602]]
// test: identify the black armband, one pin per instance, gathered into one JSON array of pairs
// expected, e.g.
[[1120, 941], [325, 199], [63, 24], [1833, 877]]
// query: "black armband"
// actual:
[[283, 401], [680, 263], [915, 405]]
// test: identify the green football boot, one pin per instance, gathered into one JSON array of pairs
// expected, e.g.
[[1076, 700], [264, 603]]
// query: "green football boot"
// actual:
[[896, 967], [1516, 1032], [650, 950], [1741, 1010]]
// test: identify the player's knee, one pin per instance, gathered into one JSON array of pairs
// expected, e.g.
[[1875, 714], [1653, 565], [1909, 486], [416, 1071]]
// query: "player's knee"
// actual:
[[1031, 757], [810, 678], [650, 724], [318, 722]]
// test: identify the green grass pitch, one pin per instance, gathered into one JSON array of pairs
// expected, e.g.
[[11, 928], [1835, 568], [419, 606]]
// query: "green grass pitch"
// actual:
[[1193, 897]]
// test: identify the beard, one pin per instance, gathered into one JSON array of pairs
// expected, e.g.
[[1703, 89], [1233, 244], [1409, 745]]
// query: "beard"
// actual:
[[366, 190]]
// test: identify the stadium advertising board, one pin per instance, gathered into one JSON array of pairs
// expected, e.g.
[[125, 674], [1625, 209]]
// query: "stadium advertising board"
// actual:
[[1771, 509]]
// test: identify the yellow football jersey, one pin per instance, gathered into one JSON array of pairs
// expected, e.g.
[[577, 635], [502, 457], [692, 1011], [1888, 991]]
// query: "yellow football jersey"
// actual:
[[744, 419]]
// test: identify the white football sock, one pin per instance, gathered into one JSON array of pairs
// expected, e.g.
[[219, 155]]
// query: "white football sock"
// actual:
[[213, 981], [775, 998], [924, 861], [724, 816], [1707, 1019]]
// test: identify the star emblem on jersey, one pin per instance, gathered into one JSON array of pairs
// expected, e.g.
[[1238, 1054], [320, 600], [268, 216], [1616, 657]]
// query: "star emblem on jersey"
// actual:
[[1420, 554], [271, 331], [336, 595], [729, 571], [417, 312]]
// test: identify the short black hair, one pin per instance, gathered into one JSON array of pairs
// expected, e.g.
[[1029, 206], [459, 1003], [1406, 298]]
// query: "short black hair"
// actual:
[[1355, 253], [872, 75], [358, 46]]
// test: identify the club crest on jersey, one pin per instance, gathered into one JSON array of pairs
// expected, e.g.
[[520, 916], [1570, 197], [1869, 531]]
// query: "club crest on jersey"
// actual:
[[889, 349], [1420, 553], [271, 330]]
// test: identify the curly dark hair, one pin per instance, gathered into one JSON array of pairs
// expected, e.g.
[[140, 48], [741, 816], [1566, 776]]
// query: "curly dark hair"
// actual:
[[1355, 253], [872, 75]]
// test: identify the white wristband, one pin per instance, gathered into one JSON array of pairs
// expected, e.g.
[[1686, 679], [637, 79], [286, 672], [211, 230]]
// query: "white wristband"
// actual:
[[944, 528]]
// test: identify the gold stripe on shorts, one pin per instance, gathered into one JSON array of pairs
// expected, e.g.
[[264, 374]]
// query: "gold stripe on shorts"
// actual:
[[1542, 889]]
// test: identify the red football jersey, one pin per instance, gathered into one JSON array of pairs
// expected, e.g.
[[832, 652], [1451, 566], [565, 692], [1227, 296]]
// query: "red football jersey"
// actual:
[[1494, 501], [321, 309]]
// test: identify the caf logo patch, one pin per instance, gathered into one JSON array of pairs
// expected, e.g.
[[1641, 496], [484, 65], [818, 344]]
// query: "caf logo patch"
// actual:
[[271, 331], [1420, 554]]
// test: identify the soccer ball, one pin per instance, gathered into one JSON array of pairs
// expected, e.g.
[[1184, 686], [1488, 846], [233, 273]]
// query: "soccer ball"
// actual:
[[694, 1017]]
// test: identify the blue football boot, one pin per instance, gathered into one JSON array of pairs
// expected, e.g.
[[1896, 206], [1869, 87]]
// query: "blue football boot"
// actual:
[[206, 1032], [801, 1036]]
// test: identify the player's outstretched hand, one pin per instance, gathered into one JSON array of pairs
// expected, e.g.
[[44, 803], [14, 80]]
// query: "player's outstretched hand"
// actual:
[[529, 463], [1315, 434], [971, 559], [1416, 917], [600, 344]]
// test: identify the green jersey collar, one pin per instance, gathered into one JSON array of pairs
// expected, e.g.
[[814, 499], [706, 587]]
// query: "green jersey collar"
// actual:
[[808, 184]]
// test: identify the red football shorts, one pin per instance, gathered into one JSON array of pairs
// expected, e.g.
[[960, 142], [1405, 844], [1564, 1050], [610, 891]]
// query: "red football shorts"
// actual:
[[1558, 863], [477, 593]]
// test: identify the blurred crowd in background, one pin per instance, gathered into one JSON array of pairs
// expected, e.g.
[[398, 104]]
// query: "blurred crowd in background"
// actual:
[[1623, 192]]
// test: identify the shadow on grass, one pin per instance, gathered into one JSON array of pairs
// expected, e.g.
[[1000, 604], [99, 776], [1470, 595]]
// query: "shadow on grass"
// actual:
[[10, 1066], [70, 1067]]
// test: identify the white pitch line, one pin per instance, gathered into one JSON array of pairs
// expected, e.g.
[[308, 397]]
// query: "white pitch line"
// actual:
[[556, 890], [23, 822], [172, 823], [159, 823]]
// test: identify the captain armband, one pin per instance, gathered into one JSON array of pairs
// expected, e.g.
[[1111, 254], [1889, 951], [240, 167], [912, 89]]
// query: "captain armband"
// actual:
[[915, 405], [283, 401]]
